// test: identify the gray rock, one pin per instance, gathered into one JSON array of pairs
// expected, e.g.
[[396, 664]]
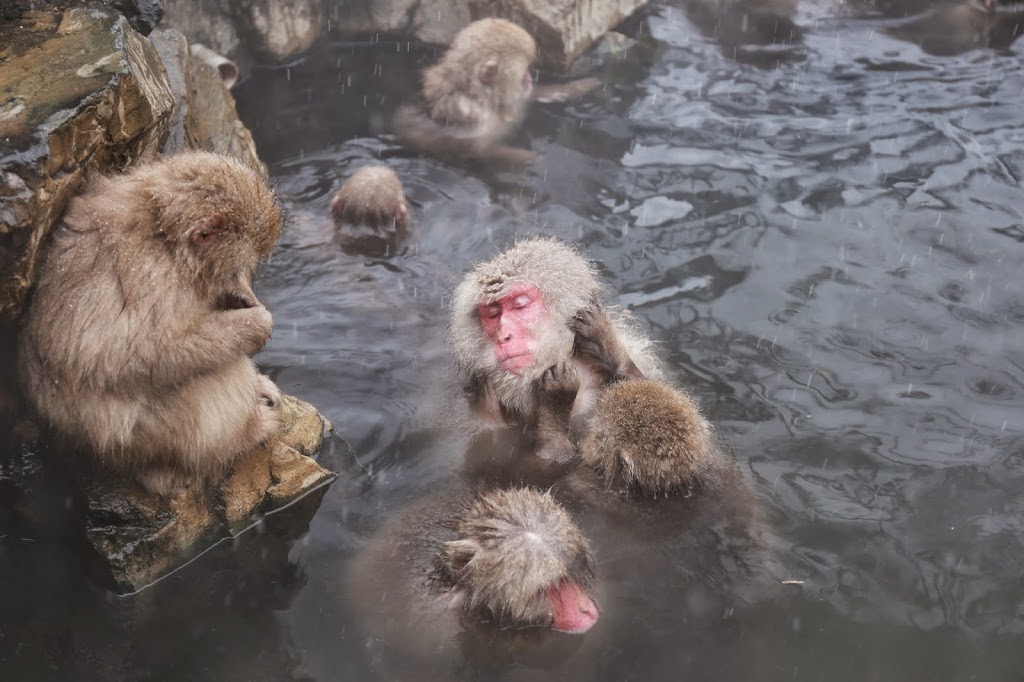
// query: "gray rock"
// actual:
[[211, 23], [249, 30], [83, 91], [204, 108], [281, 31], [130, 537], [138, 538], [563, 29], [430, 21]]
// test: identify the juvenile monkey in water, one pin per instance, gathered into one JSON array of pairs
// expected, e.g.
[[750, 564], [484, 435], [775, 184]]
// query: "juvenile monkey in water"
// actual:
[[477, 95], [136, 345], [648, 438], [533, 345], [370, 210], [462, 560]]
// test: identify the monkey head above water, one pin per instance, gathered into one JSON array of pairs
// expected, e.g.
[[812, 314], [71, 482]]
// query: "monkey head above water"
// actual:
[[477, 94], [370, 210], [533, 344], [469, 565], [648, 437], [136, 344]]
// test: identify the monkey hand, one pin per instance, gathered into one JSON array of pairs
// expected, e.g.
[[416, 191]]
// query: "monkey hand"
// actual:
[[250, 326], [511, 157], [557, 388], [269, 404], [563, 92], [597, 343]]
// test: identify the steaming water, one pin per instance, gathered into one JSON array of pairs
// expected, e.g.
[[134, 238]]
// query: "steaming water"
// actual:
[[829, 254]]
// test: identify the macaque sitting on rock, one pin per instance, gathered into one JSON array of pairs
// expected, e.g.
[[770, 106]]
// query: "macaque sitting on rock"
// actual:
[[533, 345], [136, 345], [477, 95], [370, 211], [463, 561]]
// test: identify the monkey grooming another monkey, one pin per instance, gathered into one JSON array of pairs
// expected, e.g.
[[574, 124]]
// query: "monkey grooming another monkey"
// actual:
[[462, 561], [136, 345], [477, 95], [370, 210], [533, 344]]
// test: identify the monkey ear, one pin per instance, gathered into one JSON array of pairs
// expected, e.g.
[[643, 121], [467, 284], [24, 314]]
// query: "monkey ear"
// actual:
[[488, 71], [207, 231], [337, 205]]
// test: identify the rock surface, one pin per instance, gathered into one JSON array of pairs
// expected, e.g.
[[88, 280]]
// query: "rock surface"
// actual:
[[264, 30], [84, 93], [82, 90], [139, 537], [563, 29], [204, 112]]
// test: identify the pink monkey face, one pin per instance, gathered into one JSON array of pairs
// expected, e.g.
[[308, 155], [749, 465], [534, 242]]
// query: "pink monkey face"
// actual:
[[511, 323]]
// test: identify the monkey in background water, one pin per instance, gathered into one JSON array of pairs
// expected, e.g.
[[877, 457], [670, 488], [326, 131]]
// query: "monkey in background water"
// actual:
[[136, 345], [477, 95], [370, 211]]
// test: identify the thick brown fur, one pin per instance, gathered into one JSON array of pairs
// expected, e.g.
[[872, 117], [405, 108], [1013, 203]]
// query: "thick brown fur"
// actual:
[[648, 437], [475, 96], [136, 344], [370, 208]]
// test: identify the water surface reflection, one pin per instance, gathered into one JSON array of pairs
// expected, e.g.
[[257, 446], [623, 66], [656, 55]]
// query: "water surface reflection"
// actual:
[[827, 251]]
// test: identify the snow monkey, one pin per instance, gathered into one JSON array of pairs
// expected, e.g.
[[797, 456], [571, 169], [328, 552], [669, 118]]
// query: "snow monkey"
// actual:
[[647, 437], [370, 210], [465, 558], [533, 345], [477, 95], [136, 344]]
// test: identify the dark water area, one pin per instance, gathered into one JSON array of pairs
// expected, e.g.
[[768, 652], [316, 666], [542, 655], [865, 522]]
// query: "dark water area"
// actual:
[[825, 239]]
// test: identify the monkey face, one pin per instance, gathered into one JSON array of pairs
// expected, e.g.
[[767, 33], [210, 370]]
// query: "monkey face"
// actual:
[[509, 323]]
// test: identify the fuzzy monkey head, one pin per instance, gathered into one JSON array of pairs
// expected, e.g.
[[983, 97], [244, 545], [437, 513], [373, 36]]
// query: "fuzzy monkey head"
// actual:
[[215, 215], [511, 314], [520, 556], [647, 437], [485, 70], [372, 196]]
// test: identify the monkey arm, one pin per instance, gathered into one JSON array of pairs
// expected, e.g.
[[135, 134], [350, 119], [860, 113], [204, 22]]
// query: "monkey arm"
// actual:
[[555, 394], [420, 132], [598, 344], [196, 347], [563, 92]]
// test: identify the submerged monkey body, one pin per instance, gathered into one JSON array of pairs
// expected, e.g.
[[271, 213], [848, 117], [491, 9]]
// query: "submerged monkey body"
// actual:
[[137, 342]]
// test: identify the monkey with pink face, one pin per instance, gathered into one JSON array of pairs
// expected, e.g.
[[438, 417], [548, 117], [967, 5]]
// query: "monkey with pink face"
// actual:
[[631, 455], [534, 346]]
